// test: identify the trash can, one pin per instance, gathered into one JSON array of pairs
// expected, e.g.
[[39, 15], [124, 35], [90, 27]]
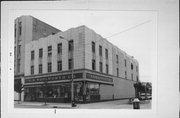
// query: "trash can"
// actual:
[[136, 103]]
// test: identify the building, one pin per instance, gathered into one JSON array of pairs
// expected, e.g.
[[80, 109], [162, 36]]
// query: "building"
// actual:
[[27, 29], [100, 70]]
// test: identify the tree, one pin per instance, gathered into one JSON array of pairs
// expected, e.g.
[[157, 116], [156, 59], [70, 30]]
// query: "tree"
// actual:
[[18, 87]]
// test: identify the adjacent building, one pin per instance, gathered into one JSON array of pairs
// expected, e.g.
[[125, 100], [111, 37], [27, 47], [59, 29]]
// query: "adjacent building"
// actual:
[[99, 70]]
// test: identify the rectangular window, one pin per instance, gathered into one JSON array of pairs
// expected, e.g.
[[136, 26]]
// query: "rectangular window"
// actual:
[[70, 63], [100, 67], [15, 30], [93, 47], [20, 28], [19, 50], [71, 45], [49, 67], [137, 79], [125, 62], [18, 65], [32, 70], [106, 53], [40, 68], [117, 72], [100, 50], [131, 66], [107, 68], [131, 76], [49, 50], [59, 67], [40, 53], [93, 64], [59, 48], [117, 59], [136, 68], [32, 55], [125, 74]]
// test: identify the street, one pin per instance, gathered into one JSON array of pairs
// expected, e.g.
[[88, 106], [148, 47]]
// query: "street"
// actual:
[[117, 104]]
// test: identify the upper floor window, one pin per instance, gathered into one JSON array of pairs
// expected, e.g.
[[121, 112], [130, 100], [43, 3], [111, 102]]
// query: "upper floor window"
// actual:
[[71, 45], [100, 67], [93, 64], [125, 74], [117, 72], [32, 70], [49, 50], [70, 63], [40, 53], [125, 62], [117, 59], [107, 68], [131, 66], [20, 28], [32, 55], [19, 50], [59, 66], [59, 48], [106, 53], [131, 76], [93, 47], [136, 68], [15, 31], [49, 67], [100, 50], [40, 68]]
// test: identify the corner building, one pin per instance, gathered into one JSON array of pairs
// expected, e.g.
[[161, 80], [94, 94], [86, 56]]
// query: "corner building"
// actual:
[[100, 70]]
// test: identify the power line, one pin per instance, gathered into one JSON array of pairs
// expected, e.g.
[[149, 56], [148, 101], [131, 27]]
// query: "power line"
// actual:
[[130, 28]]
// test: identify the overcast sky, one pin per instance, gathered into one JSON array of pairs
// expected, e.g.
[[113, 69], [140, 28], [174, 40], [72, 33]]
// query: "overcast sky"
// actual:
[[135, 31]]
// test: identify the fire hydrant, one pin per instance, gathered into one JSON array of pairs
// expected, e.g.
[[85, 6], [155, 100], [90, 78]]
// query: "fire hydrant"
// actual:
[[136, 103]]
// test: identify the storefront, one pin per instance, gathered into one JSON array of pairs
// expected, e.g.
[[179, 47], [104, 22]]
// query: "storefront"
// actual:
[[57, 88]]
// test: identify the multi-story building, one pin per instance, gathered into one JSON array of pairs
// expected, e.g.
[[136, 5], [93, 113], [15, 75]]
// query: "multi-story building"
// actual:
[[100, 70], [27, 29]]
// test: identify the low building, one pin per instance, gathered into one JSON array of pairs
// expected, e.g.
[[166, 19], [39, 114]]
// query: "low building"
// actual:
[[100, 70]]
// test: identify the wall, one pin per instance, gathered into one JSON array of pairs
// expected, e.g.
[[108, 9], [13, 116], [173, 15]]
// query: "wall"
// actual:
[[106, 92], [123, 88]]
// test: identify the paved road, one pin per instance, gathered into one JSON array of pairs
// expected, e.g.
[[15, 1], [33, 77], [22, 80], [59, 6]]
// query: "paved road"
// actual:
[[117, 104]]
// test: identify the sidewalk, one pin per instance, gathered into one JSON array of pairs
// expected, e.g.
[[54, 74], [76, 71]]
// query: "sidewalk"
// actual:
[[117, 104]]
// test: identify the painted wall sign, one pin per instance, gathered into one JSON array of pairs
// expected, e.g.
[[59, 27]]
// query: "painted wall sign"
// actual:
[[98, 77]]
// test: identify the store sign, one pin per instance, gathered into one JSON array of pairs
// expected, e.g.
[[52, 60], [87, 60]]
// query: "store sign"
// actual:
[[98, 77], [54, 78]]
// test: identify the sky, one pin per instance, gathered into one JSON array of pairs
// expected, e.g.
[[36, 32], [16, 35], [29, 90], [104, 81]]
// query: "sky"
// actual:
[[132, 31]]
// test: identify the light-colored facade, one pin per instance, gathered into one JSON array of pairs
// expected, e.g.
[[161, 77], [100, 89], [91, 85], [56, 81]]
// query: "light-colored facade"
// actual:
[[27, 29], [101, 70]]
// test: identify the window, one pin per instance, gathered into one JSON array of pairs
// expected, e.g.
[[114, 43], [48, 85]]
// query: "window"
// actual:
[[49, 67], [70, 64], [49, 50], [137, 79], [59, 67], [100, 67], [18, 65], [100, 50], [107, 68], [71, 45], [106, 53], [117, 72], [93, 47], [19, 50], [131, 76], [117, 59], [136, 68], [131, 66], [125, 62], [40, 53], [15, 30], [40, 68], [93, 64], [20, 28], [32, 70], [125, 74], [32, 55], [59, 48]]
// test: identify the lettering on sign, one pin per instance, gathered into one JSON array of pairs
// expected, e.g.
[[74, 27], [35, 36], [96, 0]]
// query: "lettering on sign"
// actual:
[[98, 77], [54, 78]]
